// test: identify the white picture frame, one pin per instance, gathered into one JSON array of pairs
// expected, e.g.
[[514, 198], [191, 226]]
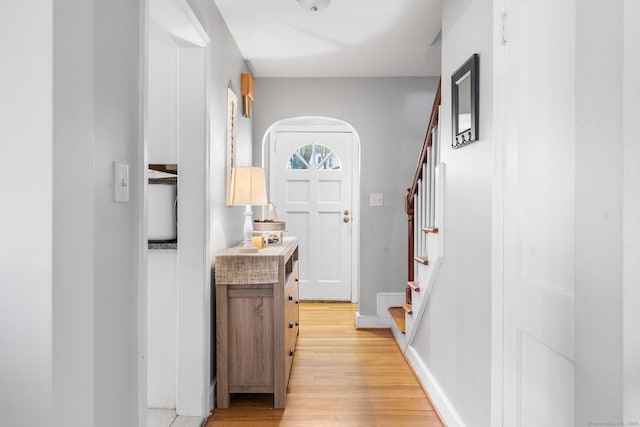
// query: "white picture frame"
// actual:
[[232, 117]]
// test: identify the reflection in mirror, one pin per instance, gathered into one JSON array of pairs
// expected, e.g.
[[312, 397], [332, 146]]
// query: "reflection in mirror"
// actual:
[[464, 97], [464, 104]]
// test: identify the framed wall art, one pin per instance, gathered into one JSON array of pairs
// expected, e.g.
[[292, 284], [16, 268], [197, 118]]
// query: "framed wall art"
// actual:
[[232, 116], [464, 103]]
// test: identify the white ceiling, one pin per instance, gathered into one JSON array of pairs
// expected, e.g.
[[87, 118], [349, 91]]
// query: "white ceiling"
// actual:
[[350, 38]]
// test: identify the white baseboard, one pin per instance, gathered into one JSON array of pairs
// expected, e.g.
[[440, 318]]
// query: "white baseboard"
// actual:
[[211, 398], [438, 397], [371, 322], [400, 338], [385, 300], [382, 319]]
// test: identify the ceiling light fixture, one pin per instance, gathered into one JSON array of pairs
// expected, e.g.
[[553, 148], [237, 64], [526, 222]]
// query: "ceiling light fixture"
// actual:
[[313, 5]]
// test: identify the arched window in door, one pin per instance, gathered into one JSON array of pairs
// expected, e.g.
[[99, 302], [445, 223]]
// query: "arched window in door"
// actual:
[[314, 156]]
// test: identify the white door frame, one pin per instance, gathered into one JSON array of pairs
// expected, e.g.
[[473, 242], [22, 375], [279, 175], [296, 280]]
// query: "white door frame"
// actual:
[[194, 310], [497, 233], [268, 145]]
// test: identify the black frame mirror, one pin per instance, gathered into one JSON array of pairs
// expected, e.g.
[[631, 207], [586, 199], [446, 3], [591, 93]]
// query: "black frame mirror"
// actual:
[[464, 103]]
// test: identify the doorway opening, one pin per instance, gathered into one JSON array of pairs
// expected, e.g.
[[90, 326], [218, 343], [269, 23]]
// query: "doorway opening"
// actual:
[[313, 168], [174, 290]]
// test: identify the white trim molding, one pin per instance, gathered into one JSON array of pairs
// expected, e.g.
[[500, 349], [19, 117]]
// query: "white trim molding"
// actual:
[[419, 316], [437, 395], [382, 319], [371, 322]]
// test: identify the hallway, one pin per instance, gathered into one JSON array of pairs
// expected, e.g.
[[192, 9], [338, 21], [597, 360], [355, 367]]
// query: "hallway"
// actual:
[[341, 377]]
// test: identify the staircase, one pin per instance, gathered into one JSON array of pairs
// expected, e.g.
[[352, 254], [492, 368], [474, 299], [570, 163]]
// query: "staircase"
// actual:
[[423, 206]]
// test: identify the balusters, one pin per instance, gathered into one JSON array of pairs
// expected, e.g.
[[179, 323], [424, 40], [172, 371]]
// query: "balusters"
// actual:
[[425, 207], [418, 219]]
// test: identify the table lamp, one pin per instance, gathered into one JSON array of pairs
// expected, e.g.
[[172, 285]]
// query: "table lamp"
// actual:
[[248, 188]]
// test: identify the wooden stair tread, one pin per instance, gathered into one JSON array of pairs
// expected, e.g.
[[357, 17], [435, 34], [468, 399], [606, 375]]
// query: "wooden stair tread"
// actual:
[[421, 260], [407, 308], [433, 230], [414, 286], [397, 314]]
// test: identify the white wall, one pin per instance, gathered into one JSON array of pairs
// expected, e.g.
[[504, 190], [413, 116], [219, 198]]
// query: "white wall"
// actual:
[[116, 237], [226, 65], [390, 116], [69, 275], [631, 211], [162, 140], [26, 109], [455, 343], [598, 256], [162, 333], [73, 215]]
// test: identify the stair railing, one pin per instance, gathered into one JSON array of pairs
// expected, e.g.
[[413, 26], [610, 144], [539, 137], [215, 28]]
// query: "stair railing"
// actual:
[[419, 201]]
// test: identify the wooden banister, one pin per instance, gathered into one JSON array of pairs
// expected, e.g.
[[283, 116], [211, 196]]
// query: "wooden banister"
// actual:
[[411, 191], [428, 141]]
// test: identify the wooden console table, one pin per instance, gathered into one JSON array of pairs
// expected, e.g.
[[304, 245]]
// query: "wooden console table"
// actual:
[[256, 320]]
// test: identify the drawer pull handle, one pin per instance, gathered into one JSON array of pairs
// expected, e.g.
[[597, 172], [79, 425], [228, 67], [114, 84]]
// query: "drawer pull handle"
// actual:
[[290, 352], [290, 325], [297, 323], [290, 297], [297, 302], [297, 280]]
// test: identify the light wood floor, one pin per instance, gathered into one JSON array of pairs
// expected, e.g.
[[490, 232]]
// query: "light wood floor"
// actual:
[[340, 377]]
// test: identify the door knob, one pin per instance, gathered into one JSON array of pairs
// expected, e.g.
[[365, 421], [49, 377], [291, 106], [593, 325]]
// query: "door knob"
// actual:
[[346, 219]]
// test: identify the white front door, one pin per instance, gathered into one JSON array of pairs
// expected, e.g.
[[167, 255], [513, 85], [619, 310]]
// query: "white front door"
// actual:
[[312, 183], [539, 216]]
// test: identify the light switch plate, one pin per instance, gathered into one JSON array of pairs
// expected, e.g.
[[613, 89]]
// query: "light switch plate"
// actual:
[[121, 182], [376, 199]]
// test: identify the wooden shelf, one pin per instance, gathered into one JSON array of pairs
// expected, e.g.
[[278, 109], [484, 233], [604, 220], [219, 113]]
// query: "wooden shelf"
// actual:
[[407, 308], [414, 286], [421, 260], [433, 230]]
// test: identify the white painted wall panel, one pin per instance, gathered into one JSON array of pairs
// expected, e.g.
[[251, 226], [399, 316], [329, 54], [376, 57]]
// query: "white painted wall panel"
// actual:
[[329, 191], [73, 215], [297, 192], [631, 211], [162, 331], [302, 221], [162, 140], [329, 250], [116, 238], [546, 144], [546, 380], [599, 212], [26, 122]]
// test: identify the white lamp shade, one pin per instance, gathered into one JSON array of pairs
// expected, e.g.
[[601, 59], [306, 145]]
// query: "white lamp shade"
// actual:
[[248, 186]]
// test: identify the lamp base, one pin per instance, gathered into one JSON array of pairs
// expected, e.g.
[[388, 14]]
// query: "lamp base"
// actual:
[[247, 245]]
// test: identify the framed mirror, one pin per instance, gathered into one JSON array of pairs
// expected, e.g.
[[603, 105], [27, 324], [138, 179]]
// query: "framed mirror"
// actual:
[[464, 103]]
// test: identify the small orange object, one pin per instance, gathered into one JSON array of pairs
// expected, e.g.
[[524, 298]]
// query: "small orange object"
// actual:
[[257, 241]]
